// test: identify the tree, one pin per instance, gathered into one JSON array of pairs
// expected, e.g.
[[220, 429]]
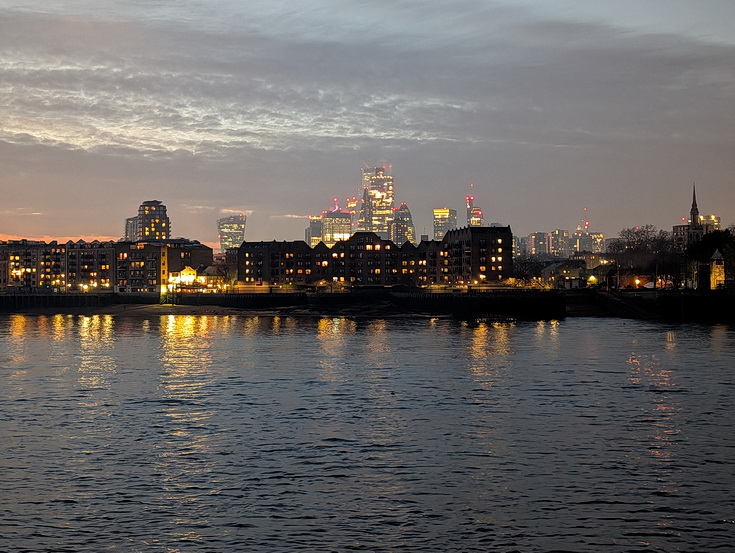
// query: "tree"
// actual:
[[646, 249], [643, 239]]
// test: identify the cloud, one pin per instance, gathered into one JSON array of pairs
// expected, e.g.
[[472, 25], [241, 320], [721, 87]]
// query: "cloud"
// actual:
[[235, 211], [19, 211], [289, 216], [195, 208], [273, 105]]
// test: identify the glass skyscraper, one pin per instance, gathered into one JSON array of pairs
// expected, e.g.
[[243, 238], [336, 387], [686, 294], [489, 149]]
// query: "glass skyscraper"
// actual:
[[231, 231], [445, 219], [376, 211], [402, 229]]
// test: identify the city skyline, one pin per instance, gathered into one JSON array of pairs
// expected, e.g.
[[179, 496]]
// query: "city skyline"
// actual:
[[268, 109]]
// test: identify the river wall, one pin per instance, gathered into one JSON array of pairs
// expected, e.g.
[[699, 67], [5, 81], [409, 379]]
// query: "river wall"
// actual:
[[668, 306], [515, 304]]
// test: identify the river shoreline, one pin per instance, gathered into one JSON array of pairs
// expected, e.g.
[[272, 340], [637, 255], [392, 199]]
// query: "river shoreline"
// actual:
[[161, 310], [714, 307]]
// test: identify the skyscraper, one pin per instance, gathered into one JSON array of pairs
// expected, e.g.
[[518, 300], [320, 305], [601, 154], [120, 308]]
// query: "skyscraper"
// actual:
[[352, 206], [376, 211], [474, 213], [337, 225], [330, 227], [445, 219], [153, 223], [231, 231], [402, 229], [314, 230]]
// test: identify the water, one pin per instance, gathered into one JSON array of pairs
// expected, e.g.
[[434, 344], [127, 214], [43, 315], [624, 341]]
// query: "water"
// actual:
[[222, 434]]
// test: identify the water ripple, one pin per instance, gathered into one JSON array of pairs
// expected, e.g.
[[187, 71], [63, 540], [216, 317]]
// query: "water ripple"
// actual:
[[186, 435]]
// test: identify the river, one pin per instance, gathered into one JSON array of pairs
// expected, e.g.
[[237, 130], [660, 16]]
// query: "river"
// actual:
[[243, 433]]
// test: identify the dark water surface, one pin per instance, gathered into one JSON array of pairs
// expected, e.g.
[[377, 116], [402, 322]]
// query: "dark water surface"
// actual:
[[224, 434]]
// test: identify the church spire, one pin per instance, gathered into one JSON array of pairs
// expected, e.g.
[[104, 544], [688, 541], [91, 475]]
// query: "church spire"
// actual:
[[694, 214]]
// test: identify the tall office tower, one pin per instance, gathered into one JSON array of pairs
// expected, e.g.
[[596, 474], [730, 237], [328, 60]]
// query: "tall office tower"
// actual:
[[352, 206], [376, 211], [330, 227], [474, 213], [402, 229], [153, 223], [314, 230], [336, 226], [231, 231], [131, 229], [445, 219]]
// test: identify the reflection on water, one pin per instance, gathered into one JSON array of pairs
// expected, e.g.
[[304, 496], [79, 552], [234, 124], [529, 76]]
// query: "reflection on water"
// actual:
[[184, 434], [186, 361], [489, 345], [648, 372], [333, 337], [208, 433], [96, 338]]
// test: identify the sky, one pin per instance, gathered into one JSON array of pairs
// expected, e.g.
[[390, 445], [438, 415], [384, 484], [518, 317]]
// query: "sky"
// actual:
[[271, 108]]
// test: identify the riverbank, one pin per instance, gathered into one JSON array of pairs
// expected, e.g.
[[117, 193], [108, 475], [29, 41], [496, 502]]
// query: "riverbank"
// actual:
[[498, 305], [377, 310]]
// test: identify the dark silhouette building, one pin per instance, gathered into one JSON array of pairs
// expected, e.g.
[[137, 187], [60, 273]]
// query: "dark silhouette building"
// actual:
[[471, 255]]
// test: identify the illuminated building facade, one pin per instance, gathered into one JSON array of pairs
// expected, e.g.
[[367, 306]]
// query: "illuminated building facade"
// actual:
[[336, 226], [90, 266], [231, 231], [29, 266], [145, 266], [474, 213], [445, 219], [153, 222], [352, 206], [402, 228], [329, 227], [376, 209], [79, 267]]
